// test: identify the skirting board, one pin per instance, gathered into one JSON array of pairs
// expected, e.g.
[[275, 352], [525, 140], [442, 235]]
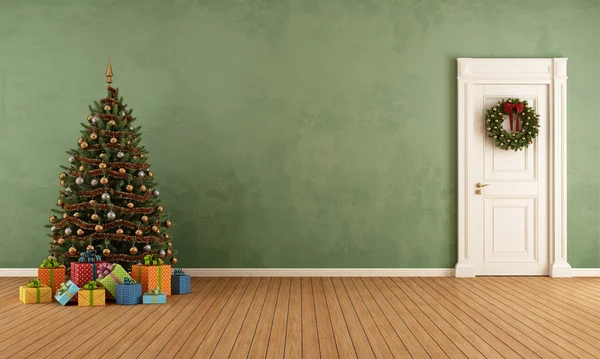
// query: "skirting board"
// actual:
[[308, 272]]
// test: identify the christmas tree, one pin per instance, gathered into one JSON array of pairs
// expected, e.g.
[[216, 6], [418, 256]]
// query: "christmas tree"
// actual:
[[109, 202]]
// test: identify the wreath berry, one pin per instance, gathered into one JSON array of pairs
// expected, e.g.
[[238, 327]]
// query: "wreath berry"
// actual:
[[524, 124]]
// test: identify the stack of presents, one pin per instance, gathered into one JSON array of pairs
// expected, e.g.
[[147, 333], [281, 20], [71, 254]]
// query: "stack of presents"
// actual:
[[92, 281]]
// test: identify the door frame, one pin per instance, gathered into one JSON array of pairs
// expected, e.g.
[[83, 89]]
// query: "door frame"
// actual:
[[532, 71]]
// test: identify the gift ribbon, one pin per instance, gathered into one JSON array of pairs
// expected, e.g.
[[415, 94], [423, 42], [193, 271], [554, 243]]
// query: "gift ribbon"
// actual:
[[154, 292], [89, 257], [178, 271], [104, 269], [50, 263], [35, 283], [152, 260], [91, 285], [509, 108], [64, 289], [129, 281]]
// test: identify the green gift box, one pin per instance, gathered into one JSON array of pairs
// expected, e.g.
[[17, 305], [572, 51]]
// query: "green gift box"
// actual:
[[109, 275]]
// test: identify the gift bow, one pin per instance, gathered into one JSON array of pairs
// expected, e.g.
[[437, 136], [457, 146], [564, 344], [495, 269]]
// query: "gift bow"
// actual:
[[64, 289], [155, 291], [103, 270], [178, 271], [91, 285], [50, 263], [509, 108], [152, 260], [129, 281], [89, 256], [35, 283]]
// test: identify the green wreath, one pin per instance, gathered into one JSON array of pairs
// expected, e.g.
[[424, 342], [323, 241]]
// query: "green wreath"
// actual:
[[524, 124]]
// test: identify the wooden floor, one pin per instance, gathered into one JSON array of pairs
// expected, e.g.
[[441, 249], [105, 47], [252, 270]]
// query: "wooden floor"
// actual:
[[320, 317]]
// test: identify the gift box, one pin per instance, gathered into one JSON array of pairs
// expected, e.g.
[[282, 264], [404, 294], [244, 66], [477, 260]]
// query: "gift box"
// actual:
[[129, 293], [35, 292], [85, 269], [91, 295], [153, 274], [51, 273], [65, 292], [154, 296], [180, 282], [110, 275]]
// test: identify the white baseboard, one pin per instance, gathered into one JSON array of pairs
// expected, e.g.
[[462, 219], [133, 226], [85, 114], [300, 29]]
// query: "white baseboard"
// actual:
[[308, 272]]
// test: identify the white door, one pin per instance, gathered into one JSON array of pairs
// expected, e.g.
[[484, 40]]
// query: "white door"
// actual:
[[508, 217]]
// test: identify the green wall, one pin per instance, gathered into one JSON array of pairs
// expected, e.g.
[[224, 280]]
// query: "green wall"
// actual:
[[291, 133]]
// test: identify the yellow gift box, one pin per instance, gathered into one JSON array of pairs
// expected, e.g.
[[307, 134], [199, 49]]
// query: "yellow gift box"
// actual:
[[91, 297], [30, 295]]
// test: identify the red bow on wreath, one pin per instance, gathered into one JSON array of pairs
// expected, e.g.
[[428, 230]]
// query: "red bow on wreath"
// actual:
[[510, 108]]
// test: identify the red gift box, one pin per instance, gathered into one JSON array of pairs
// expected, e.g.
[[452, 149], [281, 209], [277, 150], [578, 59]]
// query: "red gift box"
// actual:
[[83, 272]]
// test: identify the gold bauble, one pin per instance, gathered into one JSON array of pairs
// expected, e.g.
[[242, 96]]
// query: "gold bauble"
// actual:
[[81, 168], [61, 241], [139, 232], [54, 241], [160, 208], [142, 155], [89, 247], [80, 140], [174, 261], [170, 244], [98, 228], [113, 140], [90, 117], [145, 219], [169, 252], [51, 256], [130, 205], [129, 188], [106, 108], [128, 142], [80, 232], [101, 155], [102, 165], [133, 250], [94, 217], [84, 145], [106, 252], [76, 214], [92, 201], [62, 175], [65, 215], [168, 224], [93, 136], [143, 188], [167, 235], [122, 170], [112, 122], [150, 174], [103, 180], [72, 251], [62, 183], [155, 229], [119, 231], [135, 157], [59, 202]]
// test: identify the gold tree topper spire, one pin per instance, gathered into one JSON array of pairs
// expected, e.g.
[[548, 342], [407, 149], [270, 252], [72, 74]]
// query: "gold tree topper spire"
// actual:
[[109, 73]]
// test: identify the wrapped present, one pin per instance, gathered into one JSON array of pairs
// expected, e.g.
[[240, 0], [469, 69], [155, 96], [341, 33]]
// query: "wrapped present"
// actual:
[[155, 296], [110, 275], [51, 273], [65, 292], [180, 282], [91, 295], [128, 293], [85, 269], [153, 274], [35, 292]]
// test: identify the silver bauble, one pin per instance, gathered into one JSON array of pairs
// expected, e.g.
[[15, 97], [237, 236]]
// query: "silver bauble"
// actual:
[[53, 228], [123, 113], [120, 154], [68, 189], [141, 174], [147, 248], [71, 159], [94, 182], [156, 192], [111, 215], [94, 120], [68, 231], [105, 196], [79, 180], [162, 253]]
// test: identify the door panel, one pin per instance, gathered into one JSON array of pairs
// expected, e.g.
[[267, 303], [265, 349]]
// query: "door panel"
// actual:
[[508, 218]]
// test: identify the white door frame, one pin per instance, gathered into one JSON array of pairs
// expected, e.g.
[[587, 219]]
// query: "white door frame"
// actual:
[[548, 71]]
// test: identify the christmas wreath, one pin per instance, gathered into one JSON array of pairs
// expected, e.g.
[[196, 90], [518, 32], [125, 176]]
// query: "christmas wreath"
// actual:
[[524, 124]]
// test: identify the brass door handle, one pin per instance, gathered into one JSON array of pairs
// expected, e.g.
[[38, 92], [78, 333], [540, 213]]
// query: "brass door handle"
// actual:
[[479, 185]]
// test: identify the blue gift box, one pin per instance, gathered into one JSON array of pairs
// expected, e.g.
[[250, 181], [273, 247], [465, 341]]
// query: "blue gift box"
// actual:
[[66, 296], [129, 294], [160, 298], [180, 284]]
